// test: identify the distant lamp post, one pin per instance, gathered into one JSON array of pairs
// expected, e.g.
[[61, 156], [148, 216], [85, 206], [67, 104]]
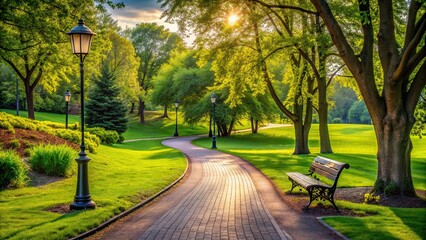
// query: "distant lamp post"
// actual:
[[17, 97], [67, 100], [210, 125], [176, 127], [213, 99], [81, 39]]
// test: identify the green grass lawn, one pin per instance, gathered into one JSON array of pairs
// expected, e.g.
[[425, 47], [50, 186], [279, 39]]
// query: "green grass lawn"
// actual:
[[44, 116], [271, 152], [124, 174], [120, 176], [157, 127]]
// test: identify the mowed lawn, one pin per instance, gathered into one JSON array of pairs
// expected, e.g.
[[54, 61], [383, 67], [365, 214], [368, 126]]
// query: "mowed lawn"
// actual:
[[271, 151], [120, 176]]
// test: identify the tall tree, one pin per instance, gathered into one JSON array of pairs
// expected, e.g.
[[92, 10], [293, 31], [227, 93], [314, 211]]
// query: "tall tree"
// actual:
[[391, 103], [153, 45], [34, 44], [105, 108]]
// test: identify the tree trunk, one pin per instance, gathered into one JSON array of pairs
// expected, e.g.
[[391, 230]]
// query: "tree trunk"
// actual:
[[254, 125], [142, 111], [301, 139], [394, 156], [323, 117], [132, 108], [30, 100], [165, 115]]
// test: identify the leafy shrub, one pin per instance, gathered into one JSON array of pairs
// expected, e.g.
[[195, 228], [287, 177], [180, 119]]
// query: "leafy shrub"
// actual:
[[72, 134], [106, 136], [370, 198], [14, 144], [53, 160], [337, 120], [12, 170], [6, 125]]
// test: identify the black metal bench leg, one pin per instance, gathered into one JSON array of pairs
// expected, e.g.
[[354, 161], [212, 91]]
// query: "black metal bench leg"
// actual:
[[331, 199], [311, 199], [293, 184]]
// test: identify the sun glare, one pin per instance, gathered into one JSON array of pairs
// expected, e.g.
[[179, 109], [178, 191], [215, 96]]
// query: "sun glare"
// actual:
[[233, 18]]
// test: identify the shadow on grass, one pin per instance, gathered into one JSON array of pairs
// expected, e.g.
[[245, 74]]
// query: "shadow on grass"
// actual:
[[415, 224]]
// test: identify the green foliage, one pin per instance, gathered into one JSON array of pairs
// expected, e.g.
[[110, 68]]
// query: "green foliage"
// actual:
[[153, 44], [371, 198], [53, 160], [10, 122], [358, 113], [14, 144], [420, 116], [105, 109], [13, 172], [106, 136]]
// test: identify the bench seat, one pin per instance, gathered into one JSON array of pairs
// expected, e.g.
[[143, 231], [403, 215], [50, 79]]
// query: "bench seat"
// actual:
[[325, 167]]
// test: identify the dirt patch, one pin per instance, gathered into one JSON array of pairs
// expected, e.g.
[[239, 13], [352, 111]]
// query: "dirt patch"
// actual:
[[61, 209], [298, 201], [29, 138]]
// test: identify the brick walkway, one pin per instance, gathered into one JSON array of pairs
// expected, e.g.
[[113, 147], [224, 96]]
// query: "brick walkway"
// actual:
[[218, 200], [224, 205]]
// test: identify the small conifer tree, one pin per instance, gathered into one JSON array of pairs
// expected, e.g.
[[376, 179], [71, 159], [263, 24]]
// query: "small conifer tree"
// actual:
[[104, 108]]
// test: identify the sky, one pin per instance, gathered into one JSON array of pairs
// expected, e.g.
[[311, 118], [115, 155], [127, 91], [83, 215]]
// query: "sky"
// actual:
[[137, 11]]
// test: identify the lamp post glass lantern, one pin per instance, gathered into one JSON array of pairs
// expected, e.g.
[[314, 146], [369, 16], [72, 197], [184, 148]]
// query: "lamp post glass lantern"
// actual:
[[213, 99], [67, 97], [81, 39], [176, 127]]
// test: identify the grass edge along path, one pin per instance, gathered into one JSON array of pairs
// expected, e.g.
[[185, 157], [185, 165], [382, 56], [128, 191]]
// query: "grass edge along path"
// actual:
[[120, 176], [271, 152]]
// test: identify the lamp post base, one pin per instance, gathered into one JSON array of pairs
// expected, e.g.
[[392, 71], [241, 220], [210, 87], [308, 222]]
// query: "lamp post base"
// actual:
[[214, 142], [82, 204], [176, 134]]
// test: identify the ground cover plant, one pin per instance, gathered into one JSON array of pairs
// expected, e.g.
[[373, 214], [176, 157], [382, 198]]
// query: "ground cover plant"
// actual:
[[271, 152], [53, 160], [13, 173], [10, 123]]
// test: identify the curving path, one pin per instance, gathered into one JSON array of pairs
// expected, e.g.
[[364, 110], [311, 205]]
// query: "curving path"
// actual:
[[223, 197]]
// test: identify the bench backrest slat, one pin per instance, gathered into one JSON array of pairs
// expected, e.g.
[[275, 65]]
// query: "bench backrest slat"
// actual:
[[328, 168]]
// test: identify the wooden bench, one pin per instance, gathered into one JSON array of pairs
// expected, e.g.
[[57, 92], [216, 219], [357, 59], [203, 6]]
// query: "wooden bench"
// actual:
[[322, 166]]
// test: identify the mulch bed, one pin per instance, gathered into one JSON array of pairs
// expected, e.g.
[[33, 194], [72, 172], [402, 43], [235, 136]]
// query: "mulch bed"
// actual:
[[28, 138], [298, 201]]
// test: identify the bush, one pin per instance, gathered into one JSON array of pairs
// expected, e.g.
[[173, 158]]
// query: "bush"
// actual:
[[6, 125], [106, 136], [53, 160], [12, 170], [14, 144], [337, 120]]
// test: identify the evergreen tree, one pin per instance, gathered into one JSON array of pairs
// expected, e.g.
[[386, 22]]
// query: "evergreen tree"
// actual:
[[104, 108]]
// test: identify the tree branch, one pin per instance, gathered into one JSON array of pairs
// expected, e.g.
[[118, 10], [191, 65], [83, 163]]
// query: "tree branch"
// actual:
[[416, 89], [334, 74], [411, 21], [281, 6], [268, 80], [14, 68], [409, 50]]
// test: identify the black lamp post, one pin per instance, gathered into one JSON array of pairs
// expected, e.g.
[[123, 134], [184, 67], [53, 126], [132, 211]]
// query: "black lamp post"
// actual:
[[176, 128], [81, 39], [210, 125], [67, 100], [17, 97], [213, 99]]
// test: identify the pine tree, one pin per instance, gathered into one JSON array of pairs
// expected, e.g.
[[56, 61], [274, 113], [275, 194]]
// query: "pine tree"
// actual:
[[104, 108]]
